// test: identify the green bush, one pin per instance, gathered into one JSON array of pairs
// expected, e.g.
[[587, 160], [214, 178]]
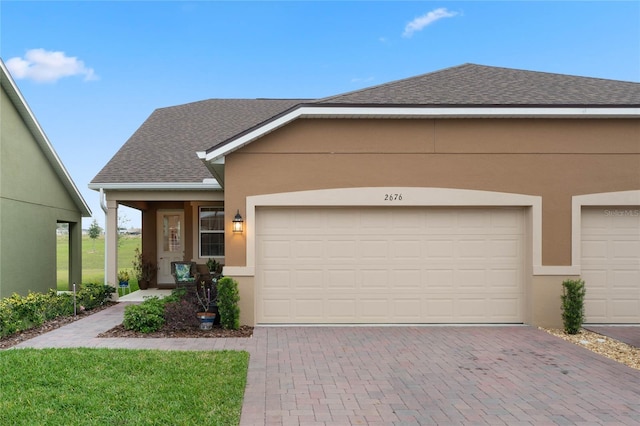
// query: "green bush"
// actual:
[[146, 317], [18, 313], [573, 305], [228, 297], [60, 305], [92, 295], [9, 322]]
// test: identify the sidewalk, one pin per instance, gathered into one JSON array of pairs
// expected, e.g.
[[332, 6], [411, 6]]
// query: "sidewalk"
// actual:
[[82, 333]]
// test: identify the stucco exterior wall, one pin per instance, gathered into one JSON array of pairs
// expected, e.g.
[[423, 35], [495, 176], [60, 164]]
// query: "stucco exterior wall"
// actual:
[[551, 158], [32, 202], [555, 159]]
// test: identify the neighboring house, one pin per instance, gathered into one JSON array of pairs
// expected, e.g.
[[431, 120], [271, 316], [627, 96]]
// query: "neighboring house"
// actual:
[[36, 194], [465, 195]]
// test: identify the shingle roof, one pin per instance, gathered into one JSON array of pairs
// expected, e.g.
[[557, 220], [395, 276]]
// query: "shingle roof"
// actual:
[[478, 85], [164, 148]]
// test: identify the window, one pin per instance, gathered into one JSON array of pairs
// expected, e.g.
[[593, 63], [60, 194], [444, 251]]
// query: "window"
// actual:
[[211, 231]]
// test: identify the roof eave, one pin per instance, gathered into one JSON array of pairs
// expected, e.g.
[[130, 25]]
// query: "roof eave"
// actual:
[[207, 185]]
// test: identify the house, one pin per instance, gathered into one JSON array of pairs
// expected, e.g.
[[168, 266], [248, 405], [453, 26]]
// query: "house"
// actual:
[[36, 194], [465, 195]]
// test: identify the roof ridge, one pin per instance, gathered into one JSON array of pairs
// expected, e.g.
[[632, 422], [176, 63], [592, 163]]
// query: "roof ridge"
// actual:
[[388, 83]]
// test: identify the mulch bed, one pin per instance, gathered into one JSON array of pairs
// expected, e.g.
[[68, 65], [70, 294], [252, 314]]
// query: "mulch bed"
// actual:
[[216, 332], [119, 331]]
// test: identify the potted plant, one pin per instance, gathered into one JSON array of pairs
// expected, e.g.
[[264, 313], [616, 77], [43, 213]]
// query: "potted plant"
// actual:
[[206, 300], [214, 267], [143, 270], [123, 279], [123, 276]]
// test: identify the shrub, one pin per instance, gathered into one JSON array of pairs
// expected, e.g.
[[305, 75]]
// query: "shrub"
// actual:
[[573, 305], [9, 322], [146, 317], [59, 305], [92, 295], [228, 297], [30, 309]]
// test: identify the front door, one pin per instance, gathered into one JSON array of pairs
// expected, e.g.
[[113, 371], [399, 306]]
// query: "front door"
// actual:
[[170, 242]]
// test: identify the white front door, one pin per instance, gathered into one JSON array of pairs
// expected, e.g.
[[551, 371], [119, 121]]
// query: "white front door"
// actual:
[[170, 242]]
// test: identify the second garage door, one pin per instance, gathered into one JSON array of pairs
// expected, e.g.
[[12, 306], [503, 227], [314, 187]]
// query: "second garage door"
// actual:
[[611, 264], [389, 265]]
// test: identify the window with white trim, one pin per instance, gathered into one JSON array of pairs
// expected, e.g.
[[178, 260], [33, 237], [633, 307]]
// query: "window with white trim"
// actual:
[[211, 229]]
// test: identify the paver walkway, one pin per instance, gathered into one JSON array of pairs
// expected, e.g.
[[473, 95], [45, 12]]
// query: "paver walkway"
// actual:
[[405, 375]]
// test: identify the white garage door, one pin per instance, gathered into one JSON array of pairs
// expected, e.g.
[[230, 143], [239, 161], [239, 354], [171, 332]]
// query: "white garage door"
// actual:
[[389, 265], [611, 264]]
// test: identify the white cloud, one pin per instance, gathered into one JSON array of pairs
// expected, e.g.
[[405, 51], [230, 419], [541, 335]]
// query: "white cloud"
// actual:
[[45, 67], [422, 21]]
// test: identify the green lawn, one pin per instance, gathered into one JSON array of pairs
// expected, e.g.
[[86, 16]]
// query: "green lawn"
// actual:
[[93, 259], [85, 386]]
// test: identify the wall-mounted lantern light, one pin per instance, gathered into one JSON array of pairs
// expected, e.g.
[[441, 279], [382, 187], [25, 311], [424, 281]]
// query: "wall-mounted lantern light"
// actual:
[[237, 222]]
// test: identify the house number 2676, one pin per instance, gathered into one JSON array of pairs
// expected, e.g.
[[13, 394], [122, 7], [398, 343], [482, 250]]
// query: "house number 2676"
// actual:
[[393, 197]]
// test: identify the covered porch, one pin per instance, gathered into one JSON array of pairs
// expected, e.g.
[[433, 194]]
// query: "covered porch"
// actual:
[[178, 225]]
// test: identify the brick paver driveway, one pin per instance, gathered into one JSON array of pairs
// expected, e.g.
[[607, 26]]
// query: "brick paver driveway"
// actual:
[[433, 375], [404, 375]]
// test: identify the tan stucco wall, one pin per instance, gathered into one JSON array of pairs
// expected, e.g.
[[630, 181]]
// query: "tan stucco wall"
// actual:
[[247, 299], [546, 305], [551, 158], [555, 159]]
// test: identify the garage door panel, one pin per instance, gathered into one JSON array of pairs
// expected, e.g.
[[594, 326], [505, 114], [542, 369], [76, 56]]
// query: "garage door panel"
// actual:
[[343, 250], [407, 309], [374, 309], [626, 251], [626, 309], [277, 279], [374, 250], [594, 250], [277, 249], [308, 279], [506, 250], [407, 265], [471, 309], [308, 250], [276, 309], [439, 249], [341, 279], [470, 280], [406, 250], [406, 279], [610, 263], [626, 281], [372, 279], [340, 310], [440, 310], [308, 309], [503, 280], [439, 279], [471, 249]]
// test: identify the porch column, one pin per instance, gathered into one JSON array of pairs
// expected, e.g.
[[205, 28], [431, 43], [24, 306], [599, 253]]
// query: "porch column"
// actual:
[[111, 245]]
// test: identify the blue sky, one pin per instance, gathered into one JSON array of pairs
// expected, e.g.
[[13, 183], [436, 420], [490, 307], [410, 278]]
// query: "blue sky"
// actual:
[[93, 71]]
